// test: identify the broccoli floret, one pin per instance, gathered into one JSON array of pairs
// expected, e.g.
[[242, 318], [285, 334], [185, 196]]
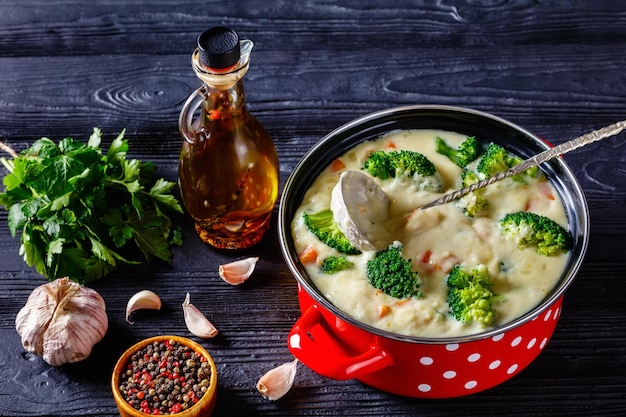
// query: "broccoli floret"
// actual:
[[475, 202], [470, 296], [322, 225], [532, 172], [385, 165], [534, 230], [403, 164], [496, 159], [410, 163], [334, 264], [389, 272], [467, 152], [379, 164]]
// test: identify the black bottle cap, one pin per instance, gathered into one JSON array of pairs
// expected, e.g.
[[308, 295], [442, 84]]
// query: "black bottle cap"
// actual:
[[219, 48]]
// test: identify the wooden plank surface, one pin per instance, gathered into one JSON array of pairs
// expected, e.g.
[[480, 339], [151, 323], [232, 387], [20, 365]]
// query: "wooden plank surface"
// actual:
[[556, 68]]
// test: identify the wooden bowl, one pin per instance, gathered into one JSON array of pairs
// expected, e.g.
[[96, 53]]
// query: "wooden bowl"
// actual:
[[204, 407]]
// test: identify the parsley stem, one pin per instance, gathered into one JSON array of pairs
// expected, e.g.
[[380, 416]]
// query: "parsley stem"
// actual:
[[8, 149]]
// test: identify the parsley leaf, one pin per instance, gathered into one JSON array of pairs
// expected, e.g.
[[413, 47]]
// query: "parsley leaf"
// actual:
[[78, 208]]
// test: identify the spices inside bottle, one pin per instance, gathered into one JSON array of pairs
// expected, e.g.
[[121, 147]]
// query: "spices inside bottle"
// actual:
[[228, 166]]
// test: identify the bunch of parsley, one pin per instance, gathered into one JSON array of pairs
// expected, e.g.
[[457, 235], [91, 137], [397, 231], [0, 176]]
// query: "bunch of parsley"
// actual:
[[83, 213]]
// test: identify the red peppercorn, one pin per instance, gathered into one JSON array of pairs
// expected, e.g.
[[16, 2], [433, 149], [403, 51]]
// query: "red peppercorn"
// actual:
[[176, 408], [140, 395]]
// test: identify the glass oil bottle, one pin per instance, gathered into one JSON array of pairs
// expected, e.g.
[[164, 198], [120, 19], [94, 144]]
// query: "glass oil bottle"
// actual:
[[228, 166]]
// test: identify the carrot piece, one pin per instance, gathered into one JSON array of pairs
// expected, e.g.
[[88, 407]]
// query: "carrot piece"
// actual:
[[402, 302], [545, 190], [308, 255], [426, 257], [382, 310], [337, 165], [390, 145]]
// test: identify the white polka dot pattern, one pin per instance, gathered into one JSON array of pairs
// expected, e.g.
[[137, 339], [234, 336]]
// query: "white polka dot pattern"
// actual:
[[471, 385], [473, 357], [426, 361], [499, 358], [516, 341]]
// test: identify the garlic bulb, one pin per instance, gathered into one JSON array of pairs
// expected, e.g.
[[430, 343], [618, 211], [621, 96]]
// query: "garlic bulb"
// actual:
[[62, 321]]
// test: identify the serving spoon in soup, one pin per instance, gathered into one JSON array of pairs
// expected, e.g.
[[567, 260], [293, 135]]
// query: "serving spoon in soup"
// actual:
[[361, 207]]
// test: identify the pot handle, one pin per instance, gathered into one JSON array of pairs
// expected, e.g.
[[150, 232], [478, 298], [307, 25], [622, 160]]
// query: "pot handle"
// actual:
[[310, 341]]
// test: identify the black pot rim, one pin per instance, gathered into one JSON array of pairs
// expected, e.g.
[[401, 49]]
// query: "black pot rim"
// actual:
[[375, 124]]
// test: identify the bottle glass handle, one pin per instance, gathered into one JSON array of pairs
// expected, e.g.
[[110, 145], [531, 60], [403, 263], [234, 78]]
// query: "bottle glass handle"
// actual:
[[185, 119]]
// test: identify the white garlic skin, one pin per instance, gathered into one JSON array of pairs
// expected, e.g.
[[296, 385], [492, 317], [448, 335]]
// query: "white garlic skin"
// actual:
[[62, 321], [196, 322], [277, 382], [144, 299], [238, 272]]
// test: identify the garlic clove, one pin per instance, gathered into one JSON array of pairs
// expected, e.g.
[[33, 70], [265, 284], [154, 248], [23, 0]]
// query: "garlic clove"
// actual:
[[144, 299], [239, 271], [196, 322], [62, 321], [278, 381]]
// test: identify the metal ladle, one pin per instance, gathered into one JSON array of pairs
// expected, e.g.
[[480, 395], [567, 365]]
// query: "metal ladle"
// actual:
[[540, 158]]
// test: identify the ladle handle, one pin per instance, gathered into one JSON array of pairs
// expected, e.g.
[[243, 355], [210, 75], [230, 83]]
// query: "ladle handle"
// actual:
[[538, 159]]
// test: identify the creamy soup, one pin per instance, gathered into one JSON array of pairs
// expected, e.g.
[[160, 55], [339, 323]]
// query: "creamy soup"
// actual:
[[438, 239]]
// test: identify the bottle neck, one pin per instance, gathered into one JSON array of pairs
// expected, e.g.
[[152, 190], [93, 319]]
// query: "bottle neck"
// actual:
[[223, 90], [218, 102], [220, 79]]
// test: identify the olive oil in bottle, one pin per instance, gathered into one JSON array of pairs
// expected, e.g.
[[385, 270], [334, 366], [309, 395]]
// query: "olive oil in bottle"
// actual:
[[228, 166]]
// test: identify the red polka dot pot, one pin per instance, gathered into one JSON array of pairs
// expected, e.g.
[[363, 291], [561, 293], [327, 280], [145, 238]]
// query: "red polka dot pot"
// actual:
[[337, 346]]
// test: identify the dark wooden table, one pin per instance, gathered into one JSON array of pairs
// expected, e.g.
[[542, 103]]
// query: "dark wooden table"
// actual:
[[557, 68]]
